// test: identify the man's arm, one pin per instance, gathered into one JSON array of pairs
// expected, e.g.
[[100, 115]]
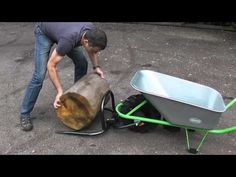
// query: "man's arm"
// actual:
[[94, 60], [52, 70]]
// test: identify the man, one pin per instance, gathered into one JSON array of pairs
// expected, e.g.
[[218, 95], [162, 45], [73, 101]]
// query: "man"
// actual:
[[69, 38]]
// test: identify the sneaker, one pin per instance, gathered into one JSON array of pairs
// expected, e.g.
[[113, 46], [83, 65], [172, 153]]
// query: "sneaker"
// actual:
[[26, 124]]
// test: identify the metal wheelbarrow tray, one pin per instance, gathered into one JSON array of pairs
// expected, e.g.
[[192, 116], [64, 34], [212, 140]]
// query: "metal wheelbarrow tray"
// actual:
[[180, 101]]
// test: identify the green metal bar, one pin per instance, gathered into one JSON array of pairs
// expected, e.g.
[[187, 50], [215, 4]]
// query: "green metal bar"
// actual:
[[187, 138], [231, 103], [140, 118], [162, 122], [222, 131], [203, 139], [137, 107]]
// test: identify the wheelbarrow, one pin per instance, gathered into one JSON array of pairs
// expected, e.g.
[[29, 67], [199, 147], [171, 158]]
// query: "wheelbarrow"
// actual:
[[183, 103]]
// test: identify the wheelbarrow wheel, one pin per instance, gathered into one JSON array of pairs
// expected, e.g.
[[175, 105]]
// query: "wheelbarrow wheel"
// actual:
[[145, 111], [142, 127]]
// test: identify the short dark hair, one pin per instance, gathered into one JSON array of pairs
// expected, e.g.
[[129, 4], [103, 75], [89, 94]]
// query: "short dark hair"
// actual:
[[96, 38]]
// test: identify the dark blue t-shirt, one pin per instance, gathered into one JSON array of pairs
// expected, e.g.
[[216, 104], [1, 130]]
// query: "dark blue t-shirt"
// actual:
[[67, 35]]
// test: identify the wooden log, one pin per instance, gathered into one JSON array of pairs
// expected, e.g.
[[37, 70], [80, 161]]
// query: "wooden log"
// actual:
[[82, 101]]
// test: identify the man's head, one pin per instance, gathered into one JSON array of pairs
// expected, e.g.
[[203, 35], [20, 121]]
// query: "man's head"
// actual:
[[94, 40]]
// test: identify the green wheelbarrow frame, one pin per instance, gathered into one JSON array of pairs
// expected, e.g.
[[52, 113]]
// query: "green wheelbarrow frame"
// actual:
[[187, 128]]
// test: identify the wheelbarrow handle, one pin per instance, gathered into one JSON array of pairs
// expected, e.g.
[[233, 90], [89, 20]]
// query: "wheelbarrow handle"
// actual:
[[231, 103]]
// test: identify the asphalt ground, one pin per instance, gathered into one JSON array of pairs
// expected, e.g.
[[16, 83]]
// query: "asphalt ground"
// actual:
[[204, 56]]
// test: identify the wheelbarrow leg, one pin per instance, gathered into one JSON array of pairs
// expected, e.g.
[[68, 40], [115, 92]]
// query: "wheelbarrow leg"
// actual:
[[194, 150]]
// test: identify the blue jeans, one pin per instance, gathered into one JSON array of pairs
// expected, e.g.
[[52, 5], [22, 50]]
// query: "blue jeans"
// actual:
[[43, 46]]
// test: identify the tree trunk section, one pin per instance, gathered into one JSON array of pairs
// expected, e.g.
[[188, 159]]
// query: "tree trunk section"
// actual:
[[82, 101]]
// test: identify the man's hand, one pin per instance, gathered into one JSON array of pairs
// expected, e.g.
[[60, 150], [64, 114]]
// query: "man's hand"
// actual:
[[57, 102], [99, 72]]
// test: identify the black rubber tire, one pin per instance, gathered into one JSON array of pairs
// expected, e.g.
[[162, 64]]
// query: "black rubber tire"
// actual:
[[145, 111]]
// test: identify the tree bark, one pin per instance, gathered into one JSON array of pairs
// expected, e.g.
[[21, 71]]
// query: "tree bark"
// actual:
[[82, 101]]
